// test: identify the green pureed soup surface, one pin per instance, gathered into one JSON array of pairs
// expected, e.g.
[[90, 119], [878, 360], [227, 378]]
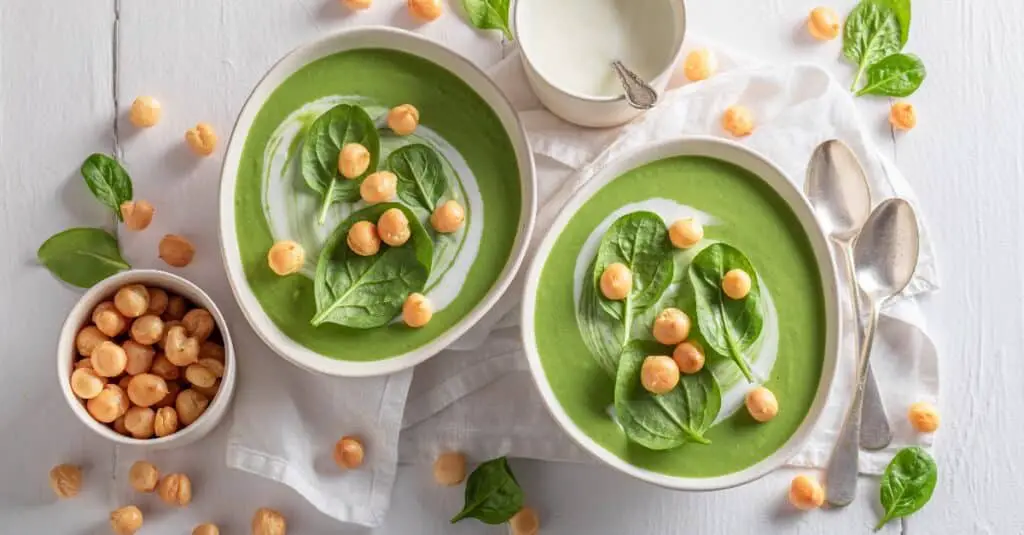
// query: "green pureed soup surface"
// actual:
[[453, 118], [748, 215]]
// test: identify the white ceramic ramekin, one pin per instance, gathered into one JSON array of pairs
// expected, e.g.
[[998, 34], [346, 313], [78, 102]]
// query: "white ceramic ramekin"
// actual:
[[81, 315]]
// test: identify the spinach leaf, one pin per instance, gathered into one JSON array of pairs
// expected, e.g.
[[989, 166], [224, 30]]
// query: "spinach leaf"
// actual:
[[898, 75], [665, 421], [338, 126], [82, 256], [729, 326], [421, 181], [907, 484], [492, 493], [902, 10], [108, 181], [489, 15], [872, 32], [603, 335], [364, 292]]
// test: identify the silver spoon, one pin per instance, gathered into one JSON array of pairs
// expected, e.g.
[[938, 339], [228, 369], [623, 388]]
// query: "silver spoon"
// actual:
[[838, 190], [639, 93], [885, 254]]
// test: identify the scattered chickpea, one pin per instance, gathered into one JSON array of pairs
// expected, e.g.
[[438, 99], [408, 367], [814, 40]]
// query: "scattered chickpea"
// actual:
[[148, 330], [158, 301], [201, 139], [109, 359], [738, 121], [200, 375], [143, 476], [109, 405], [206, 529], [180, 348], [66, 480], [140, 357], [685, 233], [165, 369], [175, 308], [671, 326], [137, 215], [353, 160], [211, 350], [348, 453], [176, 250], [190, 405], [145, 112], [286, 257], [139, 421], [659, 374], [165, 422], [689, 356], [923, 417], [146, 389], [417, 310], [86, 384], [805, 493], [175, 489], [448, 217], [823, 23], [525, 522], [132, 300], [363, 239], [199, 323], [404, 119], [108, 320], [88, 339], [700, 65], [903, 116], [616, 281], [356, 5], [381, 186], [119, 427], [267, 521], [736, 283], [450, 468], [215, 367], [393, 227], [761, 404], [425, 10], [126, 520]]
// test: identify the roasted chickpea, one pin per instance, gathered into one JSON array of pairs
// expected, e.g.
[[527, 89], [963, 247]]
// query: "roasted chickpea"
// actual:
[[381, 186], [805, 493], [109, 359], [417, 310], [140, 357], [173, 388], [823, 23], [363, 239], [700, 65], [404, 119], [84, 363], [139, 421], [190, 405], [126, 520], [200, 375], [211, 350], [616, 281], [137, 215], [132, 300], [924, 417], [210, 529], [355, 5], [66, 480], [86, 384], [903, 116], [267, 521], [448, 217], [353, 160], [145, 112], [525, 522], [175, 489], [119, 427], [685, 233], [348, 453], [199, 323], [393, 227], [143, 476], [165, 369], [286, 257], [109, 405], [176, 308], [216, 367], [146, 389], [761, 404], [738, 121], [166, 421], [450, 468], [671, 326], [659, 374], [736, 283], [425, 10], [201, 139], [208, 391], [689, 356], [158, 301], [167, 328], [108, 320], [88, 339], [148, 330], [180, 348], [176, 251]]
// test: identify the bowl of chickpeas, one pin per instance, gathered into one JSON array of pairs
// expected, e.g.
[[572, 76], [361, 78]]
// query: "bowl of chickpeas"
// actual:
[[145, 359]]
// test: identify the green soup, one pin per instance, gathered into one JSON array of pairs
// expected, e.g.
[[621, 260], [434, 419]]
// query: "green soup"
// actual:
[[752, 217]]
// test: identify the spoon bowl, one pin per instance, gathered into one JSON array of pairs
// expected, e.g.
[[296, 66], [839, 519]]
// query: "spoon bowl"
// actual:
[[886, 252], [838, 190]]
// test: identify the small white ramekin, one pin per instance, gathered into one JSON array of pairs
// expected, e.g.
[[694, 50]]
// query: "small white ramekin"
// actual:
[[81, 315]]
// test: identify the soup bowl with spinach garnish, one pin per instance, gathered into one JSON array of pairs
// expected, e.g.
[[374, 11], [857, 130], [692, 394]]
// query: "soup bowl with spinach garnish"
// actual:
[[681, 315], [376, 199]]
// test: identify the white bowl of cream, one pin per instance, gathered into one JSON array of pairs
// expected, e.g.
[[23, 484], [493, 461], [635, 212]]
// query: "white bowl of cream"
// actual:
[[568, 47]]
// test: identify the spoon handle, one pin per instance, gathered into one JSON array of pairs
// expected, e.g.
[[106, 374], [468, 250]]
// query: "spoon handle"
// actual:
[[639, 94]]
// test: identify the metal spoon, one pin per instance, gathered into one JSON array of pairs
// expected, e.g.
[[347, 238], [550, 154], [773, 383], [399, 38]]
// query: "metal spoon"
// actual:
[[885, 254], [838, 190], [639, 93]]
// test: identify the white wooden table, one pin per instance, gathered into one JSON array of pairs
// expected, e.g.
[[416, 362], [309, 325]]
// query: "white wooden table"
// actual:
[[70, 68]]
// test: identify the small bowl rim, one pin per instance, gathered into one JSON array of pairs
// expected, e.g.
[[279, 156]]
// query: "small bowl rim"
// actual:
[[67, 354]]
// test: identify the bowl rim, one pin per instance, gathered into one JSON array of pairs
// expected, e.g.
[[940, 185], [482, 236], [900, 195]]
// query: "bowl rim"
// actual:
[[80, 314], [746, 158], [410, 43]]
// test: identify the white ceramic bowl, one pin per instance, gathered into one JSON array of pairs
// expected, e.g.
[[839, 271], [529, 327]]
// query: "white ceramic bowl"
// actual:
[[403, 41], [81, 315], [758, 165]]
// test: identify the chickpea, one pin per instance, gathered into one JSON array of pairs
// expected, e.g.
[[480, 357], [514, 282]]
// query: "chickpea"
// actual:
[[201, 139], [805, 493], [659, 374], [671, 326], [145, 112], [355, 5], [381, 186], [348, 453], [126, 520], [109, 359], [140, 357], [211, 350], [190, 405], [425, 10], [417, 310], [167, 329], [175, 489], [208, 391], [685, 233], [158, 301], [176, 250], [198, 323], [700, 65], [450, 468], [108, 320], [200, 375], [823, 23], [209, 529], [146, 389], [448, 217], [165, 369], [88, 339], [119, 427], [109, 405], [66, 480], [525, 522], [180, 348], [148, 330], [903, 116], [165, 422], [761, 404], [137, 215], [85, 363], [132, 300], [689, 356], [616, 281], [353, 160], [286, 257], [86, 384], [738, 121], [736, 283], [173, 388], [139, 421], [215, 367], [175, 308], [143, 476], [393, 227], [923, 417], [363, 239], [267, 521], [404, 119]]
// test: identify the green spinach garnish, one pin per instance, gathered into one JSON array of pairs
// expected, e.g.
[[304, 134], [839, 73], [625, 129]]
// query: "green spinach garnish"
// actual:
[[492, 493], [420, 173], [82, 256], [907, 484], [108, 181], [603, 335], [898, 75], [338, 126], [875, 33], [489, 15]]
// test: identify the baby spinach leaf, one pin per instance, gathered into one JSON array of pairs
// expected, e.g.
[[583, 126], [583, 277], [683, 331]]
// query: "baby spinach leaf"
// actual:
[[665, 421], [729, 326], [364, 292], [108, 181], [338, 126], [872, 32], [489, 15], [902, 10], [492, 493], [907, 483], [82, 256], [602, 334], [898, 75], [420, 173]]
